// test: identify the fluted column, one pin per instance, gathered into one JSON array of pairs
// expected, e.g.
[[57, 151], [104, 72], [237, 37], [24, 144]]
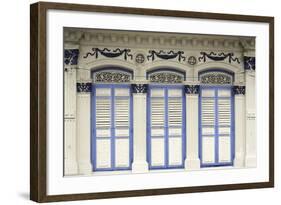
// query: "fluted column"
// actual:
[[192, 161], [140, 164]]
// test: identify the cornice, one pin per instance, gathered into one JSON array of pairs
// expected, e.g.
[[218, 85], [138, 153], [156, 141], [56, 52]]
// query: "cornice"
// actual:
[[157, 40]]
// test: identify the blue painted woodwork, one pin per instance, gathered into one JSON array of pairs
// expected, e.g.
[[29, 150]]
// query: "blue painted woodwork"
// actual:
[[112, 137], [166, 127], [217, 135]]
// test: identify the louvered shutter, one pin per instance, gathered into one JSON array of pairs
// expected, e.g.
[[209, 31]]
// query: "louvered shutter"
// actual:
[[103, 127], [175, 126], [157, 131], [122, 126], [216, 125], [166, 126], [224, 125], [112, 127], [208, 125]]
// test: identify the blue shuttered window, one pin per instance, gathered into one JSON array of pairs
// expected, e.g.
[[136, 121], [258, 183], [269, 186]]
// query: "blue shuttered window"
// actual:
[[111, 127], [216, 126], [166, 127]]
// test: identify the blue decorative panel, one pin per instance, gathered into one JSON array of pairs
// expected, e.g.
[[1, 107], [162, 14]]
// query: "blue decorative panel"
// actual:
[[84, 87], [114, 53], [239, 90], [139, 88], [218, 57], [166, 55], [71, 56], [191, 89], [249, 63]]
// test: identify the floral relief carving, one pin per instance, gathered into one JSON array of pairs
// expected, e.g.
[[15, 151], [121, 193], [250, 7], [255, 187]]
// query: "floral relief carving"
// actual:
[[116, 77], [216, 78], [166, 77]]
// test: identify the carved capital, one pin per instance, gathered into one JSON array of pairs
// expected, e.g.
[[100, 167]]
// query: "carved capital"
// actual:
[[191, 89], [139, 88], [71, 56], [249, 63], [239, 90], [84, 87]]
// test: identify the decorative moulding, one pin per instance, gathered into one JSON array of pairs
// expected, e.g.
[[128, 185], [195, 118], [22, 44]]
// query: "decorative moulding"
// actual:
[[239, 90], [139, 88], [249, 63], [191, 89], [84, 87], [131, 39]]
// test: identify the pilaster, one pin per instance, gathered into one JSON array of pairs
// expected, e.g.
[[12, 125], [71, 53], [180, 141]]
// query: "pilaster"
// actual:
[[240, 121], [192, 161], [84, 127], [140, 164]]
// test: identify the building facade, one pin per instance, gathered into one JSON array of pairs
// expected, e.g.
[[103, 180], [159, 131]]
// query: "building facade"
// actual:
[[143, 101]]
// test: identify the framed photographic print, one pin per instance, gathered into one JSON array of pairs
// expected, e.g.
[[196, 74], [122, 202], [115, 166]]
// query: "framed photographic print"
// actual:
[[134, 102]]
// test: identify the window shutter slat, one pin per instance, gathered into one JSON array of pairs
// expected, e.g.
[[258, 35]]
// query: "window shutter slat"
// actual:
[[103, 111], [122, 112], [208, 112], [224, 112], [157, 112], [175, 112]]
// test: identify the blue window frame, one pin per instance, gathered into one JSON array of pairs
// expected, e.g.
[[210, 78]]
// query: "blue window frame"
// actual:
[[112, 118], [166, 126], [216, 126]]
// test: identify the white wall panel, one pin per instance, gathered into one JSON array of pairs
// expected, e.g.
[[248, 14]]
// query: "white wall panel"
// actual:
[[121, 152], [103, 153], [208, 149], [224, 149], [175, 151], [157, 152]]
